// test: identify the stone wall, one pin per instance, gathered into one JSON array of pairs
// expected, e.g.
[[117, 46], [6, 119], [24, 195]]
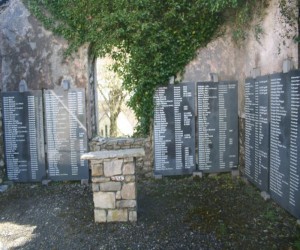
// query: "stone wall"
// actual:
[[232, 62], [29, 52], [144, 165]]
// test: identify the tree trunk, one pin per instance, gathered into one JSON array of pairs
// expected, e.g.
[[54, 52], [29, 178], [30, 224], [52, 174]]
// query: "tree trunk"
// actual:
[[113, 125]]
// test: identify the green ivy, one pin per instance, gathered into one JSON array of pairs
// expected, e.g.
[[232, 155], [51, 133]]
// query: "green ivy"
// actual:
[[150, 40]]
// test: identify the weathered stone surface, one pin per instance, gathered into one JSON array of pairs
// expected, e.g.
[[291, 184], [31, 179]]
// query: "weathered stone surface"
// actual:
[[132, 216], [97, 169], [129, 178], [265, 195], [3, 188], [110, 186], [126, 203], [113, 167], [128, 168], [198, 174], [128, 191], [36, 55], [117, 178], [100, 215], [97, 162], [100, 179], [104, 200], [144, 164], [128, 159], [95, 187], [118, 195], [117, 215], [109, 154]]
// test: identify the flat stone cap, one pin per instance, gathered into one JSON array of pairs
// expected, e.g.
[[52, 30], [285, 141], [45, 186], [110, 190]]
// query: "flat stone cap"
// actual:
[[108, 154]]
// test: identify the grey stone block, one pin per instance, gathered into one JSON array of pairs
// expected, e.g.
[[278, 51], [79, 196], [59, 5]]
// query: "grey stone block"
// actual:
[[118, 195], [113, 167], [100, 179], [100, 215], [46, 182], [110, 186], [117, 178], [129, 178], [97, 169], [214, 77], [198, 174], [132, 216], [126, 203], [84, 182], [265, 195], [255, 72], [128, 191], [117, 215], [3, 188], [104, 200], [287, 66], [128, 168], [158, 176], [95, 187], [235, 173]]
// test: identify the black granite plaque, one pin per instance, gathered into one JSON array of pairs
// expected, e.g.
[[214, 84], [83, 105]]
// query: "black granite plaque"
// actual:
[[24, 136], [250, 122], [284, 143], [280, 120], [217, 126], [257, 131], [174, 129], [66, 134], [294, 194]]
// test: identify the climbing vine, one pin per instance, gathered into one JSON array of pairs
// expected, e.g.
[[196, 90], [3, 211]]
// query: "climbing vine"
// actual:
[[149, 40]]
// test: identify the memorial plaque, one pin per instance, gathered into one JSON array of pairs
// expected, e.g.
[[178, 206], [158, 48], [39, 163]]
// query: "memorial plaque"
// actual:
[[294, 195], [280, 121], [217, 126], [174, 129], [257, 131], [250, 121], [66, 134], [24, 135]]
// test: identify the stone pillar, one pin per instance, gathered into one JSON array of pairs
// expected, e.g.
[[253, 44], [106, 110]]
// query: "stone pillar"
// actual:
[[114, 184]]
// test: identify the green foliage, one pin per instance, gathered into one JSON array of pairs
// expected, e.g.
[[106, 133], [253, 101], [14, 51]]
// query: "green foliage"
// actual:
[[249, 12], [150, 40], [297, 239]]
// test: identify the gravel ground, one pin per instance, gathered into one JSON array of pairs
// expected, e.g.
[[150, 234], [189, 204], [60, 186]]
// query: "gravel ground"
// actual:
[[173, 213]]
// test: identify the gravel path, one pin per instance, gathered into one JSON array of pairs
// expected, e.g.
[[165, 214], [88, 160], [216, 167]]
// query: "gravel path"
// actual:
[[60, 216]]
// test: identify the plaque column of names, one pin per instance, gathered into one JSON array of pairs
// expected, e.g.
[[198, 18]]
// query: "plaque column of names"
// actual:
[[280, 138], [207, 130], [257, 131], [174, 129], [24, 135], [228, 126], [66, 134], [294, 195], [163, 106], [250, 118], [217, 126]]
